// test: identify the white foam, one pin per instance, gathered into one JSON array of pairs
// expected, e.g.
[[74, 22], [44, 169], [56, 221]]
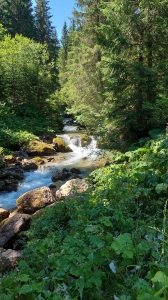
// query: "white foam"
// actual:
[[42, 177]]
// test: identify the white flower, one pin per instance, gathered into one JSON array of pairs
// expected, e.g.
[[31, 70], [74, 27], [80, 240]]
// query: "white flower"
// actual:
[[116, 298]]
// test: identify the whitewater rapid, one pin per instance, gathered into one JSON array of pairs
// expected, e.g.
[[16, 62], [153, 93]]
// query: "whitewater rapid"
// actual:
[[81, 158]]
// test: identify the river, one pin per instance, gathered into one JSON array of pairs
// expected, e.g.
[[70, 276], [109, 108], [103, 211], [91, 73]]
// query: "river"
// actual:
[[81, 158]]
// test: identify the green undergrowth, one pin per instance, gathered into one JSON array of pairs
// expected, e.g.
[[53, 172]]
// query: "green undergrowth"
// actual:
[[20, 124], [110, 242]]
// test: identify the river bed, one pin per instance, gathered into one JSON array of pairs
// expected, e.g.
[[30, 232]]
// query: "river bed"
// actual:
[[81, 158]]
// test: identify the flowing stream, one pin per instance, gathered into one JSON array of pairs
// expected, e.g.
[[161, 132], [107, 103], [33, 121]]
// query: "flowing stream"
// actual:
[[80, 158]]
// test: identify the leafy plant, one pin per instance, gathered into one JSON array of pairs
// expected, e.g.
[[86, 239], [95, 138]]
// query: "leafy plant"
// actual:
[[109, 242]]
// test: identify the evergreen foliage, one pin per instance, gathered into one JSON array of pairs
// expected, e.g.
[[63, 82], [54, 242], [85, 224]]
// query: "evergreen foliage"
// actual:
[[17, 17], [83, 88], [44, 28], [117, 69], [46, 34], [64, 49]]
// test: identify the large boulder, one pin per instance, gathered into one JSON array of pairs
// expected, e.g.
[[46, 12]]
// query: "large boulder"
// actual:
[[9, 159], [60, 145], [72, 186], [29, 165], [34, 200], [35, 147], [11, 227], [4, 214]]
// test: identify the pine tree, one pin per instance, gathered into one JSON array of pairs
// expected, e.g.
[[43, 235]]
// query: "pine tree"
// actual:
[[46, 34], [135, 66], [44, 28], [82, 91], [63, 54], [17, 17]]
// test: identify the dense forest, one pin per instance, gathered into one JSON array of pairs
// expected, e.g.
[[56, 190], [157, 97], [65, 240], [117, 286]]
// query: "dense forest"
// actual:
[[109, 71]]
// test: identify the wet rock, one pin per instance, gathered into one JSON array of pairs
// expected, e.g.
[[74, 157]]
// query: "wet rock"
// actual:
[[4, 174], [34, 200], [11, 185], [65, 174], [4, 213], [75, 171], [12, 227], [60, 145], [2, 186], [29, 166], [9, 178], [74, 185], [18, 174], [20, 155]]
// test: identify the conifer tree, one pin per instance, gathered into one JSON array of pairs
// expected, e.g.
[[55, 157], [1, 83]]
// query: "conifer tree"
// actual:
[[44, 28], [46, 34], [82, 91], [63, 54], [135, 66], [64, 41], [17, 17]]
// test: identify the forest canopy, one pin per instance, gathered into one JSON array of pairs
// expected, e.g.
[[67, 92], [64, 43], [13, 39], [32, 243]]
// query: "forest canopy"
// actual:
[[109, 69]]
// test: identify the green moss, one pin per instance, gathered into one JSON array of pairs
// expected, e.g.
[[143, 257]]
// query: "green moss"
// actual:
[[39, 148], [60, 145], [85, 140], [38, 160]]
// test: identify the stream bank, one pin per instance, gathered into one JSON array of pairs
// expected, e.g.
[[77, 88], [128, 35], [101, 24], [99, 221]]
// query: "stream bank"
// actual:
[[84, 158]]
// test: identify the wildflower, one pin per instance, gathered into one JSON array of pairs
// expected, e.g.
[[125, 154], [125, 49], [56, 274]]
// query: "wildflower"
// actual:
[[71, 195]]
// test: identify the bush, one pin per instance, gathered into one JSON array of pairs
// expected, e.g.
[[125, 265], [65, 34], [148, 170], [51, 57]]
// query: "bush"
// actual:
[[107, 243]]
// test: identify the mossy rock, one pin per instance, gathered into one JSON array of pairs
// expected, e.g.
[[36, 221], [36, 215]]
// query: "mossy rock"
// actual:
[[35, 147], [85, 140], [38, 160], [9, 159], [34, 200], [60, 145]]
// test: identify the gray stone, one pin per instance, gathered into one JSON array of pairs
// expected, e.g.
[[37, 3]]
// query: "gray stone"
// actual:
[[11, 228]]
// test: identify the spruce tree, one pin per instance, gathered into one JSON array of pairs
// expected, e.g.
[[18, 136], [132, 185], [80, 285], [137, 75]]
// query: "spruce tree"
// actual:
[[64, 40], [17, 17], [46, 34], [134, 47], [63, 54], [44, 28], [83, 89]]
